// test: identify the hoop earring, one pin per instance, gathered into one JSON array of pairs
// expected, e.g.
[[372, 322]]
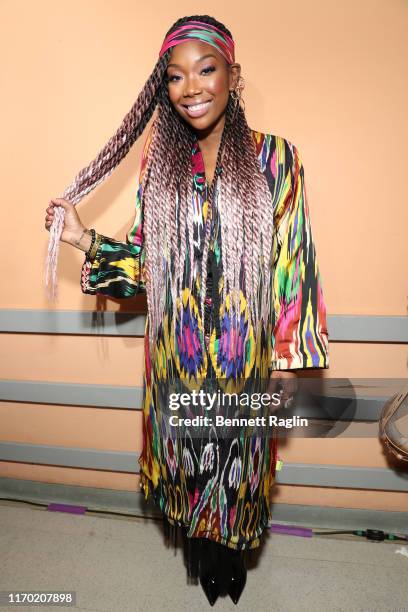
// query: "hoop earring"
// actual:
[[236, 94]]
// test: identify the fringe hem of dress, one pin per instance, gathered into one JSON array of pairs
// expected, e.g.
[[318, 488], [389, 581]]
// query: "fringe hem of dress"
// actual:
[[171, 525]]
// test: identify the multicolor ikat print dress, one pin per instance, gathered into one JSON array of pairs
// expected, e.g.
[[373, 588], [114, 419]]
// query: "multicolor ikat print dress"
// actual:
[[219, 487]]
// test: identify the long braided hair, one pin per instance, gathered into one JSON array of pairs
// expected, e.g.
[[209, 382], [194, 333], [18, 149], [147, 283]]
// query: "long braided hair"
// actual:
[[243, 201]]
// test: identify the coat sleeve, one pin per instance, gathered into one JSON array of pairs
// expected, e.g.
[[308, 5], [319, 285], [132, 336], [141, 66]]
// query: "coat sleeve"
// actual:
[[118, 270], [299, 336]]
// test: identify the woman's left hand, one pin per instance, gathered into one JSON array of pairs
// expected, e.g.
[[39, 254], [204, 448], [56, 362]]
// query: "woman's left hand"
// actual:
[[288, 383]]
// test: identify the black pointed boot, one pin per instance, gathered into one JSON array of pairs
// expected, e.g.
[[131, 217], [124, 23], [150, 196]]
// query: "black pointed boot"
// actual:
[[208, 577], [239, 574], [224, 568]]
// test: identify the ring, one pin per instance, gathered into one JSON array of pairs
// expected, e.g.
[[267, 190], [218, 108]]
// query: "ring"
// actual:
[[289, 402]]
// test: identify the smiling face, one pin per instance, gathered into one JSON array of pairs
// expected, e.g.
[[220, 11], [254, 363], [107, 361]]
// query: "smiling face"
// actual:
[[199, 81]]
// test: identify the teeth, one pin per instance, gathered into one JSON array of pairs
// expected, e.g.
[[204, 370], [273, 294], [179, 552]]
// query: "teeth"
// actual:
[[198, 106]]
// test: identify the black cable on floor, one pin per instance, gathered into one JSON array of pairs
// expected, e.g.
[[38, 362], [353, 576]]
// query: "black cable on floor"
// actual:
[[374, 535], [88, 510]]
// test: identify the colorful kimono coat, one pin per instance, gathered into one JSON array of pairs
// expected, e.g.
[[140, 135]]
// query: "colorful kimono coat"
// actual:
[[219, 488]]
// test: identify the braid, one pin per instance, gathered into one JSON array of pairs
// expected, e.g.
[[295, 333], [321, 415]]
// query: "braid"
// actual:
[[214, 186], [203, 19], [107, 160]]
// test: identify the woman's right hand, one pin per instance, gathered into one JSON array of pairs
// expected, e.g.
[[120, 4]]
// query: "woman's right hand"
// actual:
[[73, 227]]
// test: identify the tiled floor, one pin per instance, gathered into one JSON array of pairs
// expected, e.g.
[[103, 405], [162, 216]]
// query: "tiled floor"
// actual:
[[120, 564]]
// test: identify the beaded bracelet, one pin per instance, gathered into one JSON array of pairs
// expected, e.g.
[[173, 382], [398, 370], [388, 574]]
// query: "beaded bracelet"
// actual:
[[92, 233], [95, 242], [98, 241]]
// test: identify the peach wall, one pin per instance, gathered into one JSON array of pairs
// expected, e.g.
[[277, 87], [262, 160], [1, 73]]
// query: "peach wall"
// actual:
[[330, 77]]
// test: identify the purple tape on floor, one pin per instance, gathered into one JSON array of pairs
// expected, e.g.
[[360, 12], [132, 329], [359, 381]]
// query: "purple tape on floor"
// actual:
[[303, 532], [67, 508]]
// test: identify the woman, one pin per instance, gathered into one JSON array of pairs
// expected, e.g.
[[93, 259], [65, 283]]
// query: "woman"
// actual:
[[221, 244]]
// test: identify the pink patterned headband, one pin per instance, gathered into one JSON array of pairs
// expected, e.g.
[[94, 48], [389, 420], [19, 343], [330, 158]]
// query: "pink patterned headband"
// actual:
[[205, 32]]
